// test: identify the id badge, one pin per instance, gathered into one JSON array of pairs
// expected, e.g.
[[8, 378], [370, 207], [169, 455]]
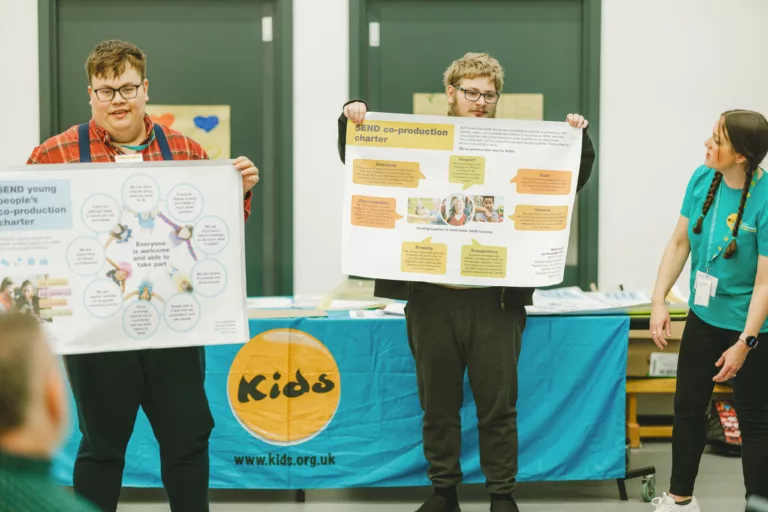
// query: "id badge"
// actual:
[[705, 288], [132, 157]]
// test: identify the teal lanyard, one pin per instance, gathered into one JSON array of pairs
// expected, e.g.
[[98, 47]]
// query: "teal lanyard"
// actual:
[[143, 147], [710, 244], [712, 230]]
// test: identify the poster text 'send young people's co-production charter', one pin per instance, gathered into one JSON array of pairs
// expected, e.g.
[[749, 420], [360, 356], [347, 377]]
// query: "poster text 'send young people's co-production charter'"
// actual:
[[459, 201], [125, 256]]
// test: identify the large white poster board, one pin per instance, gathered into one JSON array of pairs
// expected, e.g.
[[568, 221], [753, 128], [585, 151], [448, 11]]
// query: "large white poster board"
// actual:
[[459, 201], [125, 256]]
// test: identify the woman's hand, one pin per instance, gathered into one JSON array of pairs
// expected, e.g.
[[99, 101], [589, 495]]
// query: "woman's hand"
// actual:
[[731, 362], [356, 112], [661, 324]]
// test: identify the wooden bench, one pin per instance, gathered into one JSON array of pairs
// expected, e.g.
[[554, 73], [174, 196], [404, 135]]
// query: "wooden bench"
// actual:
[[635, 431]]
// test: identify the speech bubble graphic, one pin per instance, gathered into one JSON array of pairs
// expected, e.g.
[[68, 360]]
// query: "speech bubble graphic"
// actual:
[[386, 173], [424, 257], [467, 170], [540, 218], [479, 260], [543, 182], [374, 212]]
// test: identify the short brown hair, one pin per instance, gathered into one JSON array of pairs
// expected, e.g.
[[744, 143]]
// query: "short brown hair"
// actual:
[[18, 335], [110, 57], [472, 65]]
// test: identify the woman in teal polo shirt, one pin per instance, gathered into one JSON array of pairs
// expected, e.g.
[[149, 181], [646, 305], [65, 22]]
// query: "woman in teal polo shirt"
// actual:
[[724, 227]]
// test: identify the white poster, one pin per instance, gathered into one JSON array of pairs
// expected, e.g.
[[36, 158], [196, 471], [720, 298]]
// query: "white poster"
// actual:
[[125, 256], [459, 201]]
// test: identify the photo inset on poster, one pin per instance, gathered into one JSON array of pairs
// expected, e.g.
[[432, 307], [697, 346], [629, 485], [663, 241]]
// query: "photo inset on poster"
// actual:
[[424, 210], [457, 209], [40, 295], [489, 209]]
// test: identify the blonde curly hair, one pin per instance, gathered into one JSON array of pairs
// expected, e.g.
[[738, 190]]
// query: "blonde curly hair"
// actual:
[[472, 65]]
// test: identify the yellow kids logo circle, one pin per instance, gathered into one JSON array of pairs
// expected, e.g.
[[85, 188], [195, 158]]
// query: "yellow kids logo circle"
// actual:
[[284, 387]]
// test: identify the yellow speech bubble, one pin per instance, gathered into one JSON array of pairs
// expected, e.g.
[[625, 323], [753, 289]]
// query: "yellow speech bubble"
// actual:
[[467, 170], [386, 173], [391, 134], [424, 257], [543, 182], [51, 303], [374, 212], [479, 260], [540, 218], [62, 281]]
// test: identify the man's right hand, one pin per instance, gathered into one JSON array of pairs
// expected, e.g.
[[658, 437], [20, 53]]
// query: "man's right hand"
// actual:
[[356, 112]]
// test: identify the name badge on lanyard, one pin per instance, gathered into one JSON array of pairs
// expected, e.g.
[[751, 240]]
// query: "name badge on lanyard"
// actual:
[[705, 285], [133, 157]]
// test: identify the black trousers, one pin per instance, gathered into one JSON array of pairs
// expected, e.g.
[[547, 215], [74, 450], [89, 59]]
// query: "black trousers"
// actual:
[[450, 332], [109, 388], [701, 347]]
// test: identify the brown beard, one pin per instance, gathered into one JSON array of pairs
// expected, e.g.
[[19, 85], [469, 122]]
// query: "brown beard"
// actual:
[[452, 111]]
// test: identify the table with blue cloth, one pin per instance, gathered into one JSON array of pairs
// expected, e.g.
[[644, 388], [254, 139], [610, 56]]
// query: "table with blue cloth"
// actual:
[[352, 418]]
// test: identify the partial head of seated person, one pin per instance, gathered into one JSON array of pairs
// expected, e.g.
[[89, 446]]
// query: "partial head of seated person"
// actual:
[[33, 417]]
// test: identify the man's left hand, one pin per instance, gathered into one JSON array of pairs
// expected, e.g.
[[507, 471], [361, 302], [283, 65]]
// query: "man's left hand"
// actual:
[[248, 171], [576, 120]]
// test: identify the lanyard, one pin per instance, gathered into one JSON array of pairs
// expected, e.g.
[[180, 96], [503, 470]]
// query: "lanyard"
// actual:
[[711, 259], [144, 146]]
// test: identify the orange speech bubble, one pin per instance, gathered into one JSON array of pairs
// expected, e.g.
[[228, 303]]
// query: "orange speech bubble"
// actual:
[[540, 218], [386, 173], [374, 212], [543, 182]]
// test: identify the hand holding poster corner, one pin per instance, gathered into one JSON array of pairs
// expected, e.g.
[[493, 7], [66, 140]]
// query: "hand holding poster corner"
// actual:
[[125, 256], [459, 201]]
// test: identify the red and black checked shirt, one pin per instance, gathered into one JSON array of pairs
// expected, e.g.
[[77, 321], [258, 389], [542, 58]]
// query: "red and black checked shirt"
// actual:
[[63, 149]]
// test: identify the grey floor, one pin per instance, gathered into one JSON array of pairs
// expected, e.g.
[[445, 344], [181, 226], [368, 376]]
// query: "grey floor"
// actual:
[[719, 488]]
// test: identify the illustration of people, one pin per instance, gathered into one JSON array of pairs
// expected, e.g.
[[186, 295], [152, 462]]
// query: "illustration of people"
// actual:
[[145, 293], [181, 281], [487, 212], [180, 234], [146, 220], [6, 295], [120, 273], [457, 214], [119, 233], [26, 302]]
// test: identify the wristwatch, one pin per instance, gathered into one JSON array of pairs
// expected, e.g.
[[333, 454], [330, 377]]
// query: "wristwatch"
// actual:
[[750, 341]]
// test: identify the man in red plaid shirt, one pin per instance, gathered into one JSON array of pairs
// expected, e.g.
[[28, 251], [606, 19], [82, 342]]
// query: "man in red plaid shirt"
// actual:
[[168, 384]]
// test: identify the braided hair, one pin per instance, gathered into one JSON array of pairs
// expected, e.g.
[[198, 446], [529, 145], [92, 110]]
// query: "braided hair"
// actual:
[[747, 133]]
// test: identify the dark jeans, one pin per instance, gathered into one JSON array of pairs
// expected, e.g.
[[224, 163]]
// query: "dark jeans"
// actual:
[[109, 388], [451, 331], [701, 347]]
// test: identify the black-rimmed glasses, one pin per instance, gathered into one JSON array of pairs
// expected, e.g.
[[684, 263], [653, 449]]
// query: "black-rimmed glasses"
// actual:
[[128, 92], [472, 95]]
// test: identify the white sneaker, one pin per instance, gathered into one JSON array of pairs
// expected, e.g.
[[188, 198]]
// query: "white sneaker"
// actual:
[[665, 503]]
